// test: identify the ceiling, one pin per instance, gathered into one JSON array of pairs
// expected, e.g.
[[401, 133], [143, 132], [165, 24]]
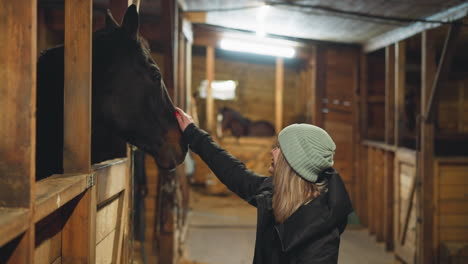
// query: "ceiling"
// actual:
[[346, 21]]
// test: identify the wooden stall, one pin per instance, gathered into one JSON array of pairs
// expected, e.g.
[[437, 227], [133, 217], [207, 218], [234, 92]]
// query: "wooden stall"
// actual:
[[413, 147], [83, 215]]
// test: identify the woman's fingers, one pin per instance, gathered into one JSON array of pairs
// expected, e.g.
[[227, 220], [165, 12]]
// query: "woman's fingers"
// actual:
[[183, 118]]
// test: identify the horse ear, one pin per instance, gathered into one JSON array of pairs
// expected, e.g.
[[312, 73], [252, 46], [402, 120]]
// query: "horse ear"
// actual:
[[130, 21], [110, 21]]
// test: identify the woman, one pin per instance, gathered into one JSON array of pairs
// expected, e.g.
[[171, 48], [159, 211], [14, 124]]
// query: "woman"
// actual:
[[302, 208]]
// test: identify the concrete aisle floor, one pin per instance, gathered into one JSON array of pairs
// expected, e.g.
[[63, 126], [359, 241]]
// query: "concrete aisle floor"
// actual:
[[222, 231]]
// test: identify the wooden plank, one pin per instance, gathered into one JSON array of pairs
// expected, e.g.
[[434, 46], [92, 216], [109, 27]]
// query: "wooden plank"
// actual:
[[453, 234], [448, 192], [106, 219], [56, 190], [449, 176], [124, 230], [400, 75], [320, 82], [19, 249], [362, 183], [13, 222], [363, 98], [18, 57], [195, 17], [426, 155], [279, 87], [110, 178], [453, 207], [453, 220], [49, 250], [79, 232], [188, 75], [379, 192], [443, 68], [105, 249], [17, 102], [379, 145], [388, 200], [210, 71], [370, 188], [389, 94], [77, 87]]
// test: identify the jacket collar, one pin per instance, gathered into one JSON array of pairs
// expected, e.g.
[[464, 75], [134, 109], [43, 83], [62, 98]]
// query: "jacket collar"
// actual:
[[318, 217]]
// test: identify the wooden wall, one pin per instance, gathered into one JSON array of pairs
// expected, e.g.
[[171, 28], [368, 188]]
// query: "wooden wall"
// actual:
[[337, 82], [256, 86]]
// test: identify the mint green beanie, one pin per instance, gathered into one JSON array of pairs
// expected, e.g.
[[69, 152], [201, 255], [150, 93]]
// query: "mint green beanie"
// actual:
[[308, 149]]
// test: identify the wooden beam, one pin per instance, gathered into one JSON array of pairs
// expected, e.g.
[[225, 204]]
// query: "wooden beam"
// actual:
[[389, 94], [210, 66], [56, 190], [78, 235], [77, 85], [426, 158], [388, 200], [399, 34], [320, 79], [188, 72], [443, 69], [195, 17], [400, 74], [170, 40], [279, 87], [18, 57], [17, 102], [363, 98]]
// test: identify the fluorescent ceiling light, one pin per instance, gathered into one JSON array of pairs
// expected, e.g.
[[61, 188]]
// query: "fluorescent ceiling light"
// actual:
[[258, 48]]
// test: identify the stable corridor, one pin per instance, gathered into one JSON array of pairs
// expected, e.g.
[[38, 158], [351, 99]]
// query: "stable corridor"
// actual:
[[222, 231]]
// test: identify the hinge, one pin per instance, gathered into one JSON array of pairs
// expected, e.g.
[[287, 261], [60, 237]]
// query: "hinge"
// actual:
[[91, 180]]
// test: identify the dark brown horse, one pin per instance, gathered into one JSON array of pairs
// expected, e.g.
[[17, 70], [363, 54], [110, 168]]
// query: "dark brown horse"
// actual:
[[130, 102], [241, 126]]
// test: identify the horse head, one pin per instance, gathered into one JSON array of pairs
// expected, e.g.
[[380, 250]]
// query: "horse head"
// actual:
[[129, 95]]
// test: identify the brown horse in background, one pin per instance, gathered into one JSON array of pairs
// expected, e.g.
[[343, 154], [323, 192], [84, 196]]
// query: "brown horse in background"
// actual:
[[241, 126]]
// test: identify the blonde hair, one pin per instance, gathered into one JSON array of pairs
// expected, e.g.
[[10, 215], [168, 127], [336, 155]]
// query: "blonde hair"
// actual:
[[291, 191]]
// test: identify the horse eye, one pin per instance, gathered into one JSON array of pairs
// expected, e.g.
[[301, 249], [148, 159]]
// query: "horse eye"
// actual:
[[157, 76]]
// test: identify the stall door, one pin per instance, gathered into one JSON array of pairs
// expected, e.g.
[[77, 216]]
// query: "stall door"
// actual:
[[405, 206]]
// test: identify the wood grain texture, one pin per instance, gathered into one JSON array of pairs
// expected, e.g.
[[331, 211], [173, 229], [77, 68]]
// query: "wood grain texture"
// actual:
[[77, 86], [279, 90], [400, 61], [210, 69], [111, 178], [426, 158], [13, 222], [79, 232], [56, 190], [17, 102], [389, 94]]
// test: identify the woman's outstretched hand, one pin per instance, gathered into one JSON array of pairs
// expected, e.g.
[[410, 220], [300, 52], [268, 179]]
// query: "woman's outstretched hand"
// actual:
[[183, 118]]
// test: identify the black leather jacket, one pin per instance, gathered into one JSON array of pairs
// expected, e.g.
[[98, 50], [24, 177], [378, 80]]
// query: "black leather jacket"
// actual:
[[310, 235]]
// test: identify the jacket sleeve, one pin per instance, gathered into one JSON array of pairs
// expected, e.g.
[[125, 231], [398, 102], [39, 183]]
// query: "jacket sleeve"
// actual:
[[229, 170]]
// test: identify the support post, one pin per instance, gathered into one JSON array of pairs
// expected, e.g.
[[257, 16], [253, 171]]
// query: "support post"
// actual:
[[279, 87], [426, 155], [210, 65], [18, 33], [79, 232], [400, 62], [389, 94]]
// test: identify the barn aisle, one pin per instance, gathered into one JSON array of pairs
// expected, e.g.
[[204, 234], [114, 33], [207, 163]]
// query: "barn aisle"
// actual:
[[222, 231]]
